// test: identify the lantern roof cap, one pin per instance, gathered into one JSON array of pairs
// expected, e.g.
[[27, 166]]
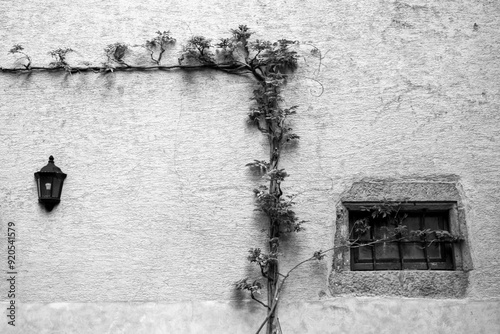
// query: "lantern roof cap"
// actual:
[[51, 167]]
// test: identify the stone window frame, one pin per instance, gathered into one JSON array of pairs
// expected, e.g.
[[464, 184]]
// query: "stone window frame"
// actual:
[[442, 193]]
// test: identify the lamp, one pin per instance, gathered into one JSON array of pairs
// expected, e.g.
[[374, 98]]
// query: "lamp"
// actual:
[[49, 181]]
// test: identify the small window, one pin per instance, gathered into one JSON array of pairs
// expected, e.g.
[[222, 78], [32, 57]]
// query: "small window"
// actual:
[[390, 237], [400, 237]]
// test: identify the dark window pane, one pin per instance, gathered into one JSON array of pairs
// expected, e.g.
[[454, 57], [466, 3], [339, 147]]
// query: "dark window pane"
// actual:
[[382, 229], [434, 252], [365, 254], [412, 221], [365, 236], [413, 251], [432, 222], [387, 251]]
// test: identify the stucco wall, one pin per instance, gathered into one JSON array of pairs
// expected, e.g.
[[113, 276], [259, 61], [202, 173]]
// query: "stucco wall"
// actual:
[[342, 315], [158, 208]]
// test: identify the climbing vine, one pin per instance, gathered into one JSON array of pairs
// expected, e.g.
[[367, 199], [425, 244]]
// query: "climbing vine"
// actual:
[[398, 229], [270, 63]]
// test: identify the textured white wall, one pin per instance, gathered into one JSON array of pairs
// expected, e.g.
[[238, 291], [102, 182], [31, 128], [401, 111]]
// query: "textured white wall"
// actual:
[[158, 206]]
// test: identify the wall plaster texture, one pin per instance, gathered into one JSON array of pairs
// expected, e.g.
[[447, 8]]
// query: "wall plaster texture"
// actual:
[[342, 315], [157, 210]]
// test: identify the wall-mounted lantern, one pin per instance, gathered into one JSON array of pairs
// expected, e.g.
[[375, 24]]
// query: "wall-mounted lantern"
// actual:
[[49, 181]]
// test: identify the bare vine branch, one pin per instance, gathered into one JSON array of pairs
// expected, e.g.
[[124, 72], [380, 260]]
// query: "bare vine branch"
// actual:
[[18, 48]]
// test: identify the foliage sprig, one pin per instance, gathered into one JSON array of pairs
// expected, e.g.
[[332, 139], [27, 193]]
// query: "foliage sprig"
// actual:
[[398, 230], [159, 45], [18, 48], [198, 49], [116, 53], [60, 58]]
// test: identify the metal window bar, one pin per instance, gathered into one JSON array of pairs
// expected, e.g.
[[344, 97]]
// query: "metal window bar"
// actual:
[[374, 250], [380, 264], [424, 244]]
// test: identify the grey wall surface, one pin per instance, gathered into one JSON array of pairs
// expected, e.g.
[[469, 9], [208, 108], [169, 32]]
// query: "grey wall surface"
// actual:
[[157, 212]]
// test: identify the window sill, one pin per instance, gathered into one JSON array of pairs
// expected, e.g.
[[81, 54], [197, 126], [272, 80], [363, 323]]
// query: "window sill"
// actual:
[[401, 283]]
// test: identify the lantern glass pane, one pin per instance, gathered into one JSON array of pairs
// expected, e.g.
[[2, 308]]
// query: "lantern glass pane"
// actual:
[[38, 187], [45, 185], [56, 187]]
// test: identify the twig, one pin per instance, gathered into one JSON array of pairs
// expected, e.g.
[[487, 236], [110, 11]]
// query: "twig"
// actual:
[[258, 301], [271, 312]]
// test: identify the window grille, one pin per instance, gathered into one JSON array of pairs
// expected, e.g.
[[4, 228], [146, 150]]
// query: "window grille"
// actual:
[[406, 240]]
